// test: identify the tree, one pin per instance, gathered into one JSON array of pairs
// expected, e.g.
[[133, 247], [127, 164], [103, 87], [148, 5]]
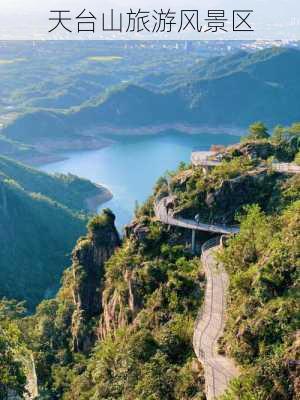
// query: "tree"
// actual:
[[158, 378], [258, 131], [297, 158], [279, 133], [295, 129], [12, 374]]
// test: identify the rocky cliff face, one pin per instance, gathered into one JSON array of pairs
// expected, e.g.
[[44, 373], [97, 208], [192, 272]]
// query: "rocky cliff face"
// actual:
[[233, 194], [252, 150], [223, 201], [121, 300], [89, 257], [119, 309]]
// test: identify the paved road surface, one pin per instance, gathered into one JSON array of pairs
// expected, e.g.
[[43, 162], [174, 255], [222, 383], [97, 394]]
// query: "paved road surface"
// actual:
[[199, 159], [162, 214], [209, 326], [286, 167], [219, 370]]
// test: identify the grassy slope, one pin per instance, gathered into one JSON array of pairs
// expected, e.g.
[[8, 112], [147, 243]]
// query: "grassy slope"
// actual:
[[263, 263]]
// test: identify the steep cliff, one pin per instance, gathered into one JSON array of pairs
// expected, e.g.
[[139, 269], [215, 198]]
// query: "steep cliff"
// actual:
[[89, 257], [41, 217], [221, 195], [121, 325], [121, 298], [124, 312], [36, 235]]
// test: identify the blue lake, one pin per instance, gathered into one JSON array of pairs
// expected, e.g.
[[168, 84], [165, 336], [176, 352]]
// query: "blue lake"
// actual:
[[130, 168]]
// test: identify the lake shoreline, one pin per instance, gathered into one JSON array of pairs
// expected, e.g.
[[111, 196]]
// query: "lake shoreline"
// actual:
[[130, 168], [148, 130], [55, 151], [94, 202]]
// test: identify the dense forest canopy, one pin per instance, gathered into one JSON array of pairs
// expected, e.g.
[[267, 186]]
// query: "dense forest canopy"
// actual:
[[42, 216]]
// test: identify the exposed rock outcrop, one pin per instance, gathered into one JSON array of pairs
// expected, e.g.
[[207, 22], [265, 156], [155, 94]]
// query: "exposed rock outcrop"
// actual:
[[119, 307], [89, 257], [253, 150], [137, 230], [234, 193], [222, 203]]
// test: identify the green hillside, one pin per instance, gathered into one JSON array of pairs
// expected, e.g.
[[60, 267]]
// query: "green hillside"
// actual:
[[230, 91], [70, 75], [36, 236], [122, 323], [10, 147], [66, 189], [263, 314], [41, 218]]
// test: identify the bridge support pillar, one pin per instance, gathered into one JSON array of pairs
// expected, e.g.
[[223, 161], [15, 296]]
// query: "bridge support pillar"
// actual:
[[193, 241], [206, 169]]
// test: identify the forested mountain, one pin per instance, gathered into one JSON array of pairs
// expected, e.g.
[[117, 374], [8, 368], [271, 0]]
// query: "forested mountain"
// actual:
[[41, 217], [69, 190], [231, 91], [121, 325], [72, 74]]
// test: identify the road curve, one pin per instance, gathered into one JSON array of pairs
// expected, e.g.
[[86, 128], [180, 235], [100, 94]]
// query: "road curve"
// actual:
[[162, 215], [219, 370]]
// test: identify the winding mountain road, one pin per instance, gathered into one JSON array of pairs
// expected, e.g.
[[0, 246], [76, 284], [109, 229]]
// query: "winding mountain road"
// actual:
[[209, 327], [161, 213], [199, 158], [219, 370]]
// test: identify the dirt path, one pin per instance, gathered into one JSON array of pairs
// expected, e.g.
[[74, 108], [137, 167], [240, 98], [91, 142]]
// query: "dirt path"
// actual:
[[219, 370]]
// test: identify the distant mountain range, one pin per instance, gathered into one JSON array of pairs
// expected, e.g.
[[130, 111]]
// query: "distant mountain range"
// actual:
[[230, 91]]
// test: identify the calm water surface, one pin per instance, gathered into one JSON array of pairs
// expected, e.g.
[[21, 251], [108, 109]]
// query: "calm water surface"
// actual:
[[130, 168]]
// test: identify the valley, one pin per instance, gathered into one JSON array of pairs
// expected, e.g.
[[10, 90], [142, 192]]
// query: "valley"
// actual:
[[149, 220], [218, 94]]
